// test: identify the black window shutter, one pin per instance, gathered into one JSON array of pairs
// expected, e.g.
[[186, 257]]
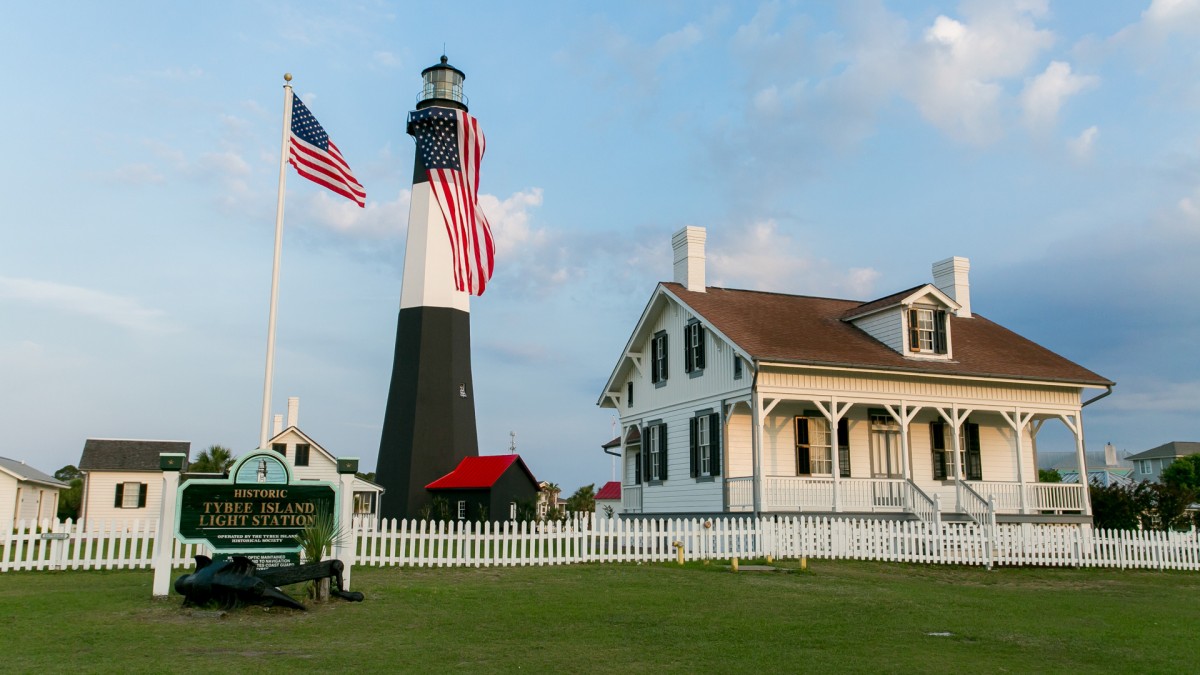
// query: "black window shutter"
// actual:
[[662, 451], [662, 375], [939, 336], [843, 442], [692, 443], [120, 495], [646, 440], [937, 441], [914, 333], [700, 350], [974, 460], [803, 459], [141, 495], [714, 439]]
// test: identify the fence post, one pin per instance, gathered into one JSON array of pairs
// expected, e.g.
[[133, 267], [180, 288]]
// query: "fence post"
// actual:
[[171, 464], [346, 544]]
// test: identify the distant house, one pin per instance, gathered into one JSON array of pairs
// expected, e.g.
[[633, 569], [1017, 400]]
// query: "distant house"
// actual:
[[1149, 465], [609, 496], [486, 488], [26, 494], [122, 478], [310, 461]]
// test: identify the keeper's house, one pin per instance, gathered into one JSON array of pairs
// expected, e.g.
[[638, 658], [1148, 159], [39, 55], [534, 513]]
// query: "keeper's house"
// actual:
[[736, 401]]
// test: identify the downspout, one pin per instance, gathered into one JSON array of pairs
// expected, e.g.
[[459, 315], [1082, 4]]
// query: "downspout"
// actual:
[[1088, 402]]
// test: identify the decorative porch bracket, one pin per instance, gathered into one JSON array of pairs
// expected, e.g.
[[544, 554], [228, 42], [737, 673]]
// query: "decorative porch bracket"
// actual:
[[833, 414], [636, 359]]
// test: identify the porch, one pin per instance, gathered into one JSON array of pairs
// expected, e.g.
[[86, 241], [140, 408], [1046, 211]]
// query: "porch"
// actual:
[[898, 495]]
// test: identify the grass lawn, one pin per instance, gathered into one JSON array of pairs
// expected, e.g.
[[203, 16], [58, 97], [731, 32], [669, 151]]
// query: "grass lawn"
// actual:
[[837, 616]]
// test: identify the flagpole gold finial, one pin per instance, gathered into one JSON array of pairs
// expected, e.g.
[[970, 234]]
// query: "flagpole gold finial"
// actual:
[[287, 77]]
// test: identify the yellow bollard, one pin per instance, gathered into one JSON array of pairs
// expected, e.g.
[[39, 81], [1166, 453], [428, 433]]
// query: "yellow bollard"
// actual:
[[733, 564], [679, 551], [803, 563], [770, 560]]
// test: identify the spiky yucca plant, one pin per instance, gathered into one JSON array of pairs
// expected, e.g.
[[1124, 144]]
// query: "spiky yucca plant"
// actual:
[[317, 538]]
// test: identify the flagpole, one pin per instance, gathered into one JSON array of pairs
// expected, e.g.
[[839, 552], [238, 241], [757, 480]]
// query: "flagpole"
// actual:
[[283, 155]]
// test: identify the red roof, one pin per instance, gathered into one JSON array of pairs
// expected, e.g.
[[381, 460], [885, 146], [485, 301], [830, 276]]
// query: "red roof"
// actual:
[[611, 490], [478, 473]]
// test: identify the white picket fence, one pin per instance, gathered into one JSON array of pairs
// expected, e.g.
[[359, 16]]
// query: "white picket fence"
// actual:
[[67, 545]]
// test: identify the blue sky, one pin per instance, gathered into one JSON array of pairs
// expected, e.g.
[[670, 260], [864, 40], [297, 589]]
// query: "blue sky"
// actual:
[[829, 149]]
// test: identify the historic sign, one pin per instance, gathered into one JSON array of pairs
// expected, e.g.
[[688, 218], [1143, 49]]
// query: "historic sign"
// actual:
[[259, 508]]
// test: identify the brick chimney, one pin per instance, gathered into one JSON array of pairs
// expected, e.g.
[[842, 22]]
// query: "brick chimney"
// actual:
[[951, 277], [688, 244]]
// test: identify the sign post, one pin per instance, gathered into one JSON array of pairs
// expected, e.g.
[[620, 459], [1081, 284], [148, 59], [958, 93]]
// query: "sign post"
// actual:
[[171, 464]]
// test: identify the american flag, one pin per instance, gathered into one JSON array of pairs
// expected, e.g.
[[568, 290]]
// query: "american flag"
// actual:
[[450, 146], [317, 158]]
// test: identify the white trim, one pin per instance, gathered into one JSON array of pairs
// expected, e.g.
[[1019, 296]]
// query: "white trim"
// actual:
[[920, 373]]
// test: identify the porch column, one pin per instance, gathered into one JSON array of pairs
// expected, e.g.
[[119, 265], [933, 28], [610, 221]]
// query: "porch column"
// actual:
[[956, 418], [756, 434], [833, 415], [904, 416], [1077, 429], [1018, 421]]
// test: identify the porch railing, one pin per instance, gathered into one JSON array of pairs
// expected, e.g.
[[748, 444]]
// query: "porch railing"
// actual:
[[921, 504], [1056, 496], [1038, 496], [974, 505], [739, 493], [631, 498]]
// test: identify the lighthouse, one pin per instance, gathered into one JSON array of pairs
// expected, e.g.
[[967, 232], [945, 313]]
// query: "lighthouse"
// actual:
[[429, 423]]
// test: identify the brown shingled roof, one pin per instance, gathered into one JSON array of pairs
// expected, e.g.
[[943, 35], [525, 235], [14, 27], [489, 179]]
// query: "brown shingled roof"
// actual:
[[807, 330], [101, 454]]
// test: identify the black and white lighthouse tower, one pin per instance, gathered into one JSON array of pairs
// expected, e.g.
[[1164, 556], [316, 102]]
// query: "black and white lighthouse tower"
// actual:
[[429, 424]]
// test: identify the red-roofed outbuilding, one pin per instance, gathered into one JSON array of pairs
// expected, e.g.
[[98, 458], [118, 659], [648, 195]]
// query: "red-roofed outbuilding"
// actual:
[[489, 487]]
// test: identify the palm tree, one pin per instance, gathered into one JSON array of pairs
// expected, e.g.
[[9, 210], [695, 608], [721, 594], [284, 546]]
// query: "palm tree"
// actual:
[[216, 459], [584, 499]]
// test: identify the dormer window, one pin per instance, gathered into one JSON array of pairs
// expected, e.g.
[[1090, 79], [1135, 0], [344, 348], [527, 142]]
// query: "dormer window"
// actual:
[[927, 330]]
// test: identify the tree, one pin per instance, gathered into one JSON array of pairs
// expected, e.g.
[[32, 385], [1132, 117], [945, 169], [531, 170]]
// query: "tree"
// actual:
[[1169, 505], [68, 473], [1184, 472], [1120, 507], [69, 500], [584, 499], [1049, 476], [216, 459]]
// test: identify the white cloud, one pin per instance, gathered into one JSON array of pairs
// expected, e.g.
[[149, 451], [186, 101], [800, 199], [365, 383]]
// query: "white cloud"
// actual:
[[1081, 146], [113, 309], [758, 256], [960, 67], [377, 220], [529, 259], [1045, 94], [386, 59]]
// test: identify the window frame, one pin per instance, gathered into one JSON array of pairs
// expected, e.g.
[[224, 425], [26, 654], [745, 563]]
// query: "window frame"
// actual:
[[303, 450], [659, 359], [704, 444], [931, 337], [694, 348]]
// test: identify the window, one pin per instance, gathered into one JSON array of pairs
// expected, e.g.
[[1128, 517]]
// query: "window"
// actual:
[[302, 454], [969, 451], [927, 330], [693, 347], [130, 496], [462, 509], [654, 453], [281, 448], [629, 394], [704, 437], [658, 358], [1145, 465], [812, 446], [737, 367]]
